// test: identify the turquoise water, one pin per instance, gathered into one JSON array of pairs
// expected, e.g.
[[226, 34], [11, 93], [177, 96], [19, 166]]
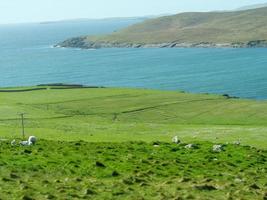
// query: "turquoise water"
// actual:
[[27, 58]]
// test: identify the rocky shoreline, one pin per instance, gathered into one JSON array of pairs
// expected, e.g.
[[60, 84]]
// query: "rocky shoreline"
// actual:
[[82, 43]]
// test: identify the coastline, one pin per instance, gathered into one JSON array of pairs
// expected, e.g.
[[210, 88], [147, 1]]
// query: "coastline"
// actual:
[[82, 43]]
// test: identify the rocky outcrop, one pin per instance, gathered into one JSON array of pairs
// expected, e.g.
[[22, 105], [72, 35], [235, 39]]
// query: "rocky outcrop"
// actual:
[[82, 43], [77, 42]]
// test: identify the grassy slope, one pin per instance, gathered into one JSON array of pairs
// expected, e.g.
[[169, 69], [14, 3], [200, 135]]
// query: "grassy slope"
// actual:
[[124, 168], [127, 114], [215, 27], [80, 170]]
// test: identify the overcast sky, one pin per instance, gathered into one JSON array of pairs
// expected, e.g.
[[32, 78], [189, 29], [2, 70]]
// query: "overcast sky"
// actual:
[[17, 11]]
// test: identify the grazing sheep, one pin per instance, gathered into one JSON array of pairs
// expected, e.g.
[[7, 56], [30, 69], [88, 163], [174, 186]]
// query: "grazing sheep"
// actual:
[[25, 143], [13, 142], [31, 141], [176, 140], [217, 148]]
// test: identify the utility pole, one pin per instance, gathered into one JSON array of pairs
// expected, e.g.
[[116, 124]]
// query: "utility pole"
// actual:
[[22, 124]]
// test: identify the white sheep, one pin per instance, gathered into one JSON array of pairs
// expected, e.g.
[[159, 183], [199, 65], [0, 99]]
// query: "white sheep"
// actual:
[[13, 142], [217, 148], [176, 140], [25, 143], [31, 141]]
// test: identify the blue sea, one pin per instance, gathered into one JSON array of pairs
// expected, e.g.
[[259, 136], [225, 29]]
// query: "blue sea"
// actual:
[[28, 58]]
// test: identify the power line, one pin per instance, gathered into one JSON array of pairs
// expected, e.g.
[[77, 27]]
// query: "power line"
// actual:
[[22, 124]]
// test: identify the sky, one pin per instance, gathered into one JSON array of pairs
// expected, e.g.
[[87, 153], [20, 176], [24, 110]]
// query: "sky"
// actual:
[[21, 11]]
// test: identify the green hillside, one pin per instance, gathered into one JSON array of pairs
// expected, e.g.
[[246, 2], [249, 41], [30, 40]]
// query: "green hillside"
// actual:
[[112, 143], [116, 115], [238, 28]]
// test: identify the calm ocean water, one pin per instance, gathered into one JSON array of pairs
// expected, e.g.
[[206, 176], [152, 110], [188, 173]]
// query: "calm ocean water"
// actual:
[[26, 58]]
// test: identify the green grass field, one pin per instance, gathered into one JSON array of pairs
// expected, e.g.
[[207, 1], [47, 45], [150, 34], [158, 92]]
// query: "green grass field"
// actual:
[[132, 170], [112, 143], [119, 115]]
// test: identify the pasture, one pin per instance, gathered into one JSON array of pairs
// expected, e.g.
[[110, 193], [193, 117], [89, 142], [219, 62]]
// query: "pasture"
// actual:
[[115, 143]]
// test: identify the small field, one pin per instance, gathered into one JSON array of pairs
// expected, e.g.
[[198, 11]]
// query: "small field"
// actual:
[[131, 170]]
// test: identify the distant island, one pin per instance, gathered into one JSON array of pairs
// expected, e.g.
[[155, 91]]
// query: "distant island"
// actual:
[[237, 29], [97, 20], [261, 5]]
